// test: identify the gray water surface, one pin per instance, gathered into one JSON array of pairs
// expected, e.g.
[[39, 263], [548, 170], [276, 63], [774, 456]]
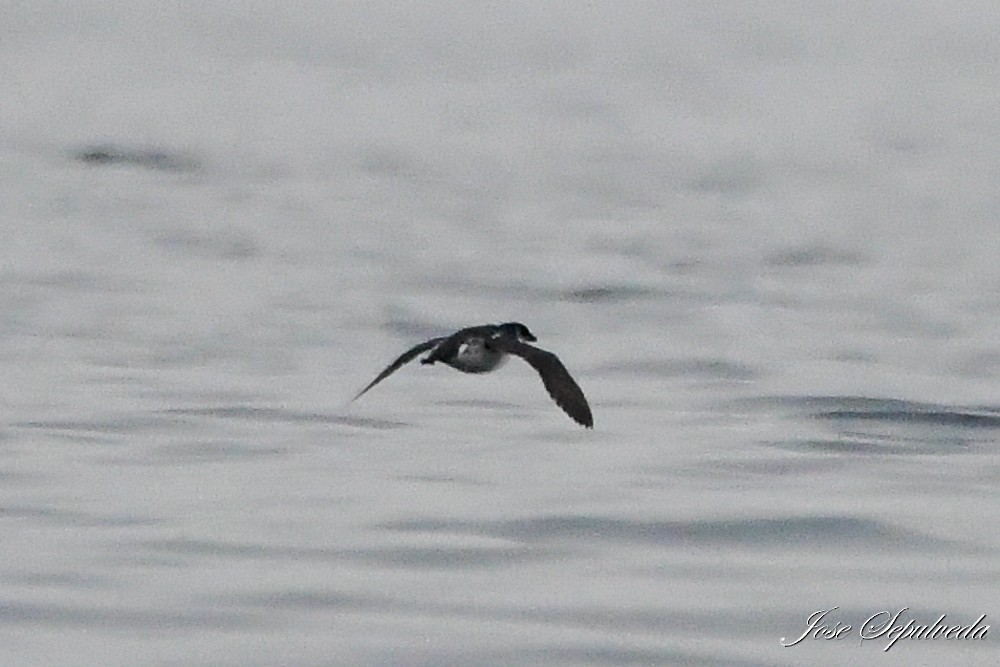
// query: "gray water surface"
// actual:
[[763, 238]]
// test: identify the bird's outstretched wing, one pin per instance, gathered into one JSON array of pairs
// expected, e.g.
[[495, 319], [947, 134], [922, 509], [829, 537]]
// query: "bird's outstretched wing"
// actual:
[[394, 366], [561, 386]]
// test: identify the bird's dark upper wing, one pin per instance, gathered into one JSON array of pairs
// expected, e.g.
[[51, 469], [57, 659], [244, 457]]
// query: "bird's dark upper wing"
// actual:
[[394, 366], [561, 386]]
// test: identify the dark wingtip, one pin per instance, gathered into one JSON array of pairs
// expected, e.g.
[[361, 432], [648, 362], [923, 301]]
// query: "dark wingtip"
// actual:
[[582, 417]]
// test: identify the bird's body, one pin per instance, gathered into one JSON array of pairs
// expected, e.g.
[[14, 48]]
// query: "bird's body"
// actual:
[[485, 348]]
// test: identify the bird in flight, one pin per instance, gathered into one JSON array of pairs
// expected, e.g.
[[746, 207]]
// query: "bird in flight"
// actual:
[[485, 348]]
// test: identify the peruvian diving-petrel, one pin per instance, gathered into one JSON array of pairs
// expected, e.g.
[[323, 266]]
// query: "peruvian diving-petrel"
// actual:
[[484, 348]]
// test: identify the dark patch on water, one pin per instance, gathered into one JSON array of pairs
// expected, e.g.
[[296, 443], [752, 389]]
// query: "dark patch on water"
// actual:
[[588, 294], [450, 558], [119, 425], [182, 453], [608, 294], [114, 155], [826, 532], [845, 445], [222, 244], [813, 256], [404, 557], [884, 425], [441, 479], [54, 615], [392, 162], [70, 580], [199, 548], [863, 408], [281, 415], [60, 517], [70, 280], [738, 175], [309, 600], [728, 470], [950, 418]]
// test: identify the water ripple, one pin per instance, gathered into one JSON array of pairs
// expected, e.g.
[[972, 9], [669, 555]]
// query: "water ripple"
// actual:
[[148, 158], [408, 557], [706, 368], [117, 619], [928, 416], [118, 425], [61, 517], [282, 415], [803, 532], [866, 425]]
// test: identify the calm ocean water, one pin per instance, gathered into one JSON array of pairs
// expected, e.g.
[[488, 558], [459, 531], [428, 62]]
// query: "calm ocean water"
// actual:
[[762, 238]]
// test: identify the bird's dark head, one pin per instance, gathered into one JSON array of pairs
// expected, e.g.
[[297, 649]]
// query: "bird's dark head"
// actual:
[[518, 331]]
